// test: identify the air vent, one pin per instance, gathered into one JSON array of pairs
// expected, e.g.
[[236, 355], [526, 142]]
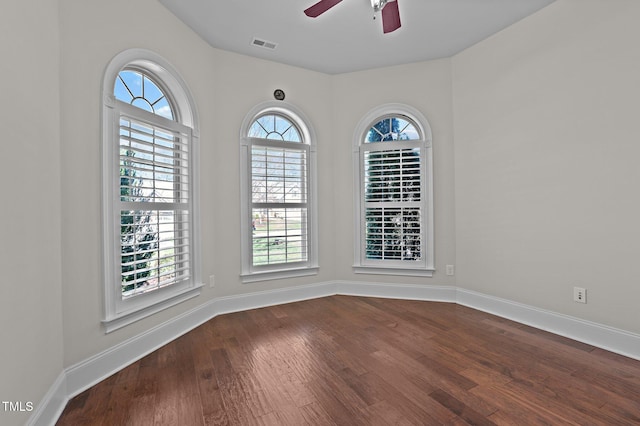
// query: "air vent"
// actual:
[[264, 43]]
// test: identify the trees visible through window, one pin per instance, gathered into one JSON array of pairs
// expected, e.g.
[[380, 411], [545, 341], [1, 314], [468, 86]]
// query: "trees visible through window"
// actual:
[[392, 193], [149, 191], [394, 222]]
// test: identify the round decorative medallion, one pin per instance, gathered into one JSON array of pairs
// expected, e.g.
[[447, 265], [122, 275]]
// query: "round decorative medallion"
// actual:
[[279, 94]]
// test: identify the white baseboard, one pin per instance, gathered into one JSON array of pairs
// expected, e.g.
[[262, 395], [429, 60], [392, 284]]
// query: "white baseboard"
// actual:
[[397, 291], [611, 339], [81, 376], [260, 299]]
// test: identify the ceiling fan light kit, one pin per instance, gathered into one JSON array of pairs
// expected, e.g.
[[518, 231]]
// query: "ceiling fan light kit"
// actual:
[[389, 8], [378, 4]]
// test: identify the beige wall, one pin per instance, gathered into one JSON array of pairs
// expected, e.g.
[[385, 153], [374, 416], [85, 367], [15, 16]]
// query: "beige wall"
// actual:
[[547, 147], [31, 349]]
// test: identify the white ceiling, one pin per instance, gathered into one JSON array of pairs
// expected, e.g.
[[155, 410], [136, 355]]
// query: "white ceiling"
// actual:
[[347, 38]]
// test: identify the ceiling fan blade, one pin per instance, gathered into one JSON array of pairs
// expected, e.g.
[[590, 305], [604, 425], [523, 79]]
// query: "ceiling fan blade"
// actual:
[[390, 17], [321, 7]]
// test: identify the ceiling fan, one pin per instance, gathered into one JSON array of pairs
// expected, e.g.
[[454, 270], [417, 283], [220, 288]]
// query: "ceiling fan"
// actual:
[[389, 8]]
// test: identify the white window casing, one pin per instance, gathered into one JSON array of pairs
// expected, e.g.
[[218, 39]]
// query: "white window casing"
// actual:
[[393, 205], [278, 194], [150, 195]]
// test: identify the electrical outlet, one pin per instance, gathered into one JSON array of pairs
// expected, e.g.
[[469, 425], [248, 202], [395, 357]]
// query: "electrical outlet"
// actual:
[[580, 295], [450, 270], [212, 281]]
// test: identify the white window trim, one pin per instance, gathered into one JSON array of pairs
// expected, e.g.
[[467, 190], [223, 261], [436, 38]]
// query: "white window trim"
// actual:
[[249, 273], [118, 313], [361, 264]]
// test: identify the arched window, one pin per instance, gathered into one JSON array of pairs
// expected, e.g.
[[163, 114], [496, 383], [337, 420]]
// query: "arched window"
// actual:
[[150, 185], [394, 226], [278, 194]]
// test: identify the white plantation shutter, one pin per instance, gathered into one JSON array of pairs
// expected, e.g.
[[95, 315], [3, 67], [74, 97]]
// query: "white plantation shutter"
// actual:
[[392, 200], [279, 201], [159, 158], [154, 203], [393, 233], [392, 174]]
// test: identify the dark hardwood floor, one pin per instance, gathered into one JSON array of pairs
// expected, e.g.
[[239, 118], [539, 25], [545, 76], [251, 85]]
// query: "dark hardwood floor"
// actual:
[[346, 360]]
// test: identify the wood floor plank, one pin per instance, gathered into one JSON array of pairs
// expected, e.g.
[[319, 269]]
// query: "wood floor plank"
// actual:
[[459, 408], [338, 409], [407, 377], [118, 412], [514, 409], [344, 360], [625, 411], [231, 390], [393, 389], [315, 414], [383, 413], [212, 409]]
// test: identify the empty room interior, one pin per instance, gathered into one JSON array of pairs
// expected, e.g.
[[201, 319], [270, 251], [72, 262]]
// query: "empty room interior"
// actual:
[[396, 212]]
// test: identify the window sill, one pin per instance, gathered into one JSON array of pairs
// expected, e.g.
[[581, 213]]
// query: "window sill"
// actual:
[[276, 274], [125, 319], [385, 270]]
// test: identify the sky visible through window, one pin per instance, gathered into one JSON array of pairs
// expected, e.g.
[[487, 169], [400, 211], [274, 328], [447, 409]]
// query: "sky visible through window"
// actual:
[[274, 127], [136, 88]]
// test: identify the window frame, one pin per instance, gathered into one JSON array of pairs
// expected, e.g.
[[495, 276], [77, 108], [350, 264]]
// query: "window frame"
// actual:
[[249, 272], [119, 312], [362, 265]]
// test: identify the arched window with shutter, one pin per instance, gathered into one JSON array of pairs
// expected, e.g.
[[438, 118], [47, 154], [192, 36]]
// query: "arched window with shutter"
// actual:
[[150, 188], [394, 181], [278, 194]]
